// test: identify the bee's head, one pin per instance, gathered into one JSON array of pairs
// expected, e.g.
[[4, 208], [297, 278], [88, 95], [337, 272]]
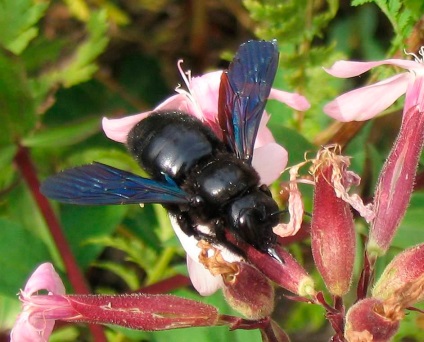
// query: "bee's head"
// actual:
[[252, 218]]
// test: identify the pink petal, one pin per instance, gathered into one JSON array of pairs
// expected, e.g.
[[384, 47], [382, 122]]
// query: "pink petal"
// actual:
[[293, 100], [44, 278], [269, 161], [345, 69], [264, 136], [203, 281], [175, 102], [366, 102], [189, 243], [205, 90], [23, 331], [118, 129], [295, 208], [414, 95], [26, 328]]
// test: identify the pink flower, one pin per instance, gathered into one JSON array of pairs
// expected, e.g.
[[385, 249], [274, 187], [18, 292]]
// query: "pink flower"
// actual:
[[136, 311], [201, 101], [366, 102], [34, 323]]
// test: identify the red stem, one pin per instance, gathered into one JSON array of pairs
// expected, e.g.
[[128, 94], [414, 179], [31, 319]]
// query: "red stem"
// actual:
[[78, 282], [165, 286], [366, 278]]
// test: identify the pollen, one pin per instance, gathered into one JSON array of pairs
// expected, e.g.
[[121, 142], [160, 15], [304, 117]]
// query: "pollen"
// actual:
[[211, 257]]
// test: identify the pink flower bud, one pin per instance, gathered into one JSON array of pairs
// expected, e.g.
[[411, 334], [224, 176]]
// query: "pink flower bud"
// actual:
[[367, 321], [396, 181], [287, 274], [249, 292], [138, 311], [142, 311], [332, 226], [246, 289], [405, 269], [400, 286]]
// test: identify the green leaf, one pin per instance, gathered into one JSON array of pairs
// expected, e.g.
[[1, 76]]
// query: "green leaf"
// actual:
[[128, 274], [22, 208], [84, 223], [410, 231], [7, 153], [17, 109], [65, 135], [292, 141], [9, 310], [7, 169], [17, 20], [20, 253], [81, 66]]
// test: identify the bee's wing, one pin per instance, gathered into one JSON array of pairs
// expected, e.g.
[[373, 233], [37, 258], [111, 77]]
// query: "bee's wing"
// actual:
[[99, 184], [243, 93]]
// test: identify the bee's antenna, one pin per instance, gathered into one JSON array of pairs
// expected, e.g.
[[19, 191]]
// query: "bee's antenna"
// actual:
[[285, 211]]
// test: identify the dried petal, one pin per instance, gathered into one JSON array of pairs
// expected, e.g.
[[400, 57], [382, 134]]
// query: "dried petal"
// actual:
[[365, 321], [295, 207]]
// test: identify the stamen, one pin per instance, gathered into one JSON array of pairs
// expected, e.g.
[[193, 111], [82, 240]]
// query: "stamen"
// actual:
[[186, 75], [417, 59], [421, 51]]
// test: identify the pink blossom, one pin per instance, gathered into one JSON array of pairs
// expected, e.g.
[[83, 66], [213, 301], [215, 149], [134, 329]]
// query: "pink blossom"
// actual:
[[33, 324], [136, 311], [366, 102], [201, 101]]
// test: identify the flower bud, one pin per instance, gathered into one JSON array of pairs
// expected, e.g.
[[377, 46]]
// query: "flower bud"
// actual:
[[393, 191], [249, 292], [288, 274], [142, 311], [332, 226], [367, 321], [405, 269], [246, 289]]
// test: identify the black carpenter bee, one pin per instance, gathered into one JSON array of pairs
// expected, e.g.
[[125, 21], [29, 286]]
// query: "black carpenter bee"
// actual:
[[198, 178]]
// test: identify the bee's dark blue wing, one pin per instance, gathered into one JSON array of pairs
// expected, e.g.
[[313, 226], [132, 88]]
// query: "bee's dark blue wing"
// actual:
[[243, 93], [102, 184]]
